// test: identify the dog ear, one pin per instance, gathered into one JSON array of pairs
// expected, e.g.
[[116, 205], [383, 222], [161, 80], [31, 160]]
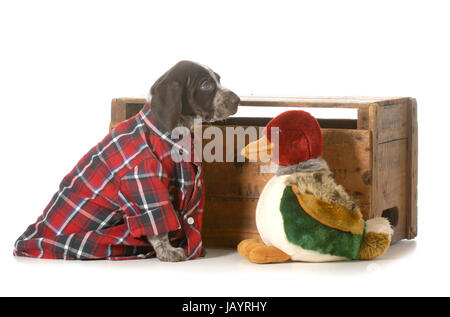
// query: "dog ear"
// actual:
[[166, 101]]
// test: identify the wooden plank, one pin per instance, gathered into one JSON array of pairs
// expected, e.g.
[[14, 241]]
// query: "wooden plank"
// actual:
[[320, 102], [373, 126], [263, 121], [123, 109], [118, 112], [363, 119], [235, 223], [389, 125], [348, 153], [392, 122], [392, 187], [411, 220]]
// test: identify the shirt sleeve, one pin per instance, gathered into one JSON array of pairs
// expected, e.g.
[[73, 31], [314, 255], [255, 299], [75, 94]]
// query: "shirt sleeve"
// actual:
[[149, 209]]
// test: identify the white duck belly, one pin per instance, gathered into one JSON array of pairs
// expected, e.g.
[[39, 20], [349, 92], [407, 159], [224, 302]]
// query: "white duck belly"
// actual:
[[271, 228]]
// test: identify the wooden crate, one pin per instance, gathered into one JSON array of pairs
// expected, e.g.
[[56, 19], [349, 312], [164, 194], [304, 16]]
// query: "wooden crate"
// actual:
[[374, 157]]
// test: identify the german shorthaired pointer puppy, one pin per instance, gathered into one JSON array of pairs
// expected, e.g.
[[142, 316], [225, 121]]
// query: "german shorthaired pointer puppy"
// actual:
[[186, 92], [127, 197]]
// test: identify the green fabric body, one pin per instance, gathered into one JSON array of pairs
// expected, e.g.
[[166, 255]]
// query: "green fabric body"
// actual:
[[303, 230]]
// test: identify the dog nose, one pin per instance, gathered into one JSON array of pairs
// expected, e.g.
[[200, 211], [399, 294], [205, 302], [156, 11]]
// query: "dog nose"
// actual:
[[235, 99]]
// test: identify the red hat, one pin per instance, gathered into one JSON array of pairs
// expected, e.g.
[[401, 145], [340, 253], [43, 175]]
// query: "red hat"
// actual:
[[299, 138]]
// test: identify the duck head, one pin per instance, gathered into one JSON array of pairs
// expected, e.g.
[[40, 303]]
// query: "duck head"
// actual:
[[288, 139]]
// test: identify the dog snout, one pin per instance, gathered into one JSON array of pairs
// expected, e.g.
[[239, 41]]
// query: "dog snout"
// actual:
[[235, 99], [234, 102]]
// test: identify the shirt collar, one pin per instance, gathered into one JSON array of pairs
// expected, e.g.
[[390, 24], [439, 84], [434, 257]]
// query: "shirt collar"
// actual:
[[153, 124], [156, 126]]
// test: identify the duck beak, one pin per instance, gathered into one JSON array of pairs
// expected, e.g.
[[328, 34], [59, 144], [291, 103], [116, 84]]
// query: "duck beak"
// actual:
[[259, 150]]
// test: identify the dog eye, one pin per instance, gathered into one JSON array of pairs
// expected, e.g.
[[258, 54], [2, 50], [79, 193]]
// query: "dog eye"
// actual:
[[206, 85]]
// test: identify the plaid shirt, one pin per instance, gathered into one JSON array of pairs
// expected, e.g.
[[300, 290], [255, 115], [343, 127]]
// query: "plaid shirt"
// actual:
[[124, 189]]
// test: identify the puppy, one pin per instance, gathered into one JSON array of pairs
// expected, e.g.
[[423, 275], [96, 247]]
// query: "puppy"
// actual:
[[203, 97], [127, 197]]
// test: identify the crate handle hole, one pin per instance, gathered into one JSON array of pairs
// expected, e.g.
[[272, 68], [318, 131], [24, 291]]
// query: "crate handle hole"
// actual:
[[392, 215]]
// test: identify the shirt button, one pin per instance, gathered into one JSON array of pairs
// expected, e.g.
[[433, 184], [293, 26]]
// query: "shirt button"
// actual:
[[190, 220], [199, 183]]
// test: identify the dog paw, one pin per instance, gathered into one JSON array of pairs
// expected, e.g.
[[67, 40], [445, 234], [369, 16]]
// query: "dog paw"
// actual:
[[171, 255]]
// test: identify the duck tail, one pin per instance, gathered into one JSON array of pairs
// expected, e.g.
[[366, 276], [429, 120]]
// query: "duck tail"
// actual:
[[377, 238]]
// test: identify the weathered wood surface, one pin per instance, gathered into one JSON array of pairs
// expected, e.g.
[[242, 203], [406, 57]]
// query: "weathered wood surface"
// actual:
[[392, 122], [319, 102], [411, 220], [361, 103], [124, 108], [394, 165], [392, 185]]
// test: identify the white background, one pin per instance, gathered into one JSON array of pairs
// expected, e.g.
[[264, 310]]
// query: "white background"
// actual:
[[61, 62]]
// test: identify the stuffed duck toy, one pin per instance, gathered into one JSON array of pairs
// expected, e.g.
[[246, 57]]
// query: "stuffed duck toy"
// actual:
[[302, 214]]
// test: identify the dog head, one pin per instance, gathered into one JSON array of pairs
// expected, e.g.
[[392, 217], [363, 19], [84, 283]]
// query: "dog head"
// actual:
[[189, 91]]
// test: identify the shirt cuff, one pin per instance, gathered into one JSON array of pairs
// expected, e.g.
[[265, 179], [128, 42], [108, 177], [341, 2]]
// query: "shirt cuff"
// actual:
[[153, 222]]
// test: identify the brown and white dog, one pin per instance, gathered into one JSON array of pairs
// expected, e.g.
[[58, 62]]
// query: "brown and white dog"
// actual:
[[186, 92]]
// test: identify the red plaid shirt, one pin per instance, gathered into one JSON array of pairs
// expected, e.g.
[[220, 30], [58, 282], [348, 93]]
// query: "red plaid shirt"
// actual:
[[124, 189]]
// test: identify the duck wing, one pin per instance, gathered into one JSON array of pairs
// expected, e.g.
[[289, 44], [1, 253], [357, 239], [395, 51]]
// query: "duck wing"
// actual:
[[333, 216]]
